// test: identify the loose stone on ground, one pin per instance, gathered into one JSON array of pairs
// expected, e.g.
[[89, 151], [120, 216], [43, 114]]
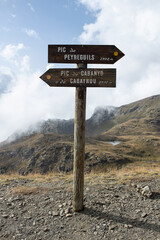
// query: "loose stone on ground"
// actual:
[[112, 211]]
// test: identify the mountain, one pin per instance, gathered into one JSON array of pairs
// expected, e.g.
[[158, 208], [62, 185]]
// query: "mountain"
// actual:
[[114, 136]]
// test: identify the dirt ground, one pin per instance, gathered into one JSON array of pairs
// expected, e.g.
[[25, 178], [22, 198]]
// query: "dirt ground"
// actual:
[[42, 210]]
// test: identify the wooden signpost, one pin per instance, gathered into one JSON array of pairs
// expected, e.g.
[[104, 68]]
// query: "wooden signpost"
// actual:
[[81, 78]]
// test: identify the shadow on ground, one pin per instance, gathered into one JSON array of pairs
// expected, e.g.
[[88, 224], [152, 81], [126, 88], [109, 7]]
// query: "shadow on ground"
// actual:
[[119, 219]]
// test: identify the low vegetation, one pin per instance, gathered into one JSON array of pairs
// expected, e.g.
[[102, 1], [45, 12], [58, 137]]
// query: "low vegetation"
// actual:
[[137, 170]]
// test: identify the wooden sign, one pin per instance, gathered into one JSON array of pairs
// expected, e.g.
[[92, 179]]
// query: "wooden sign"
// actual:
[[106, 54], [80, 77]]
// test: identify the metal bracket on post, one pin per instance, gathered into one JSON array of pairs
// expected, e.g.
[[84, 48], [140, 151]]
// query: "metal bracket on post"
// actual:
[[79, 145]]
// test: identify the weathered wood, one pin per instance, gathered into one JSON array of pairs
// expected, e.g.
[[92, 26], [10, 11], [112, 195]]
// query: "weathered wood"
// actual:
[[80, 77], [107, 54], [79, 148]]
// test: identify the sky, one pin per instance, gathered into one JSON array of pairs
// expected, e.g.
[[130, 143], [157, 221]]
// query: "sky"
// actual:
[[28, 26]]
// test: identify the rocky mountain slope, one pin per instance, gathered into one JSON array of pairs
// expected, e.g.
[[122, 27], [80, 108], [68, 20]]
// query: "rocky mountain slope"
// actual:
[[49, 146]]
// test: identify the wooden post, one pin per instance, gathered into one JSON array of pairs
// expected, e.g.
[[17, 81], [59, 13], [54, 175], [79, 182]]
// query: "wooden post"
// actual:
[[79, 145]]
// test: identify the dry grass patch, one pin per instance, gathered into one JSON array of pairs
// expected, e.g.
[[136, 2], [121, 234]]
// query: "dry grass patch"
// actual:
[[50, 177], [130, 171], [37, 177], [27, 190], [10, 177], [138, 170]]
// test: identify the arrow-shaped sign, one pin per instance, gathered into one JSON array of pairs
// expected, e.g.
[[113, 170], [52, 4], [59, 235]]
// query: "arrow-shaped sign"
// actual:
[[80, 77], [107, 54]]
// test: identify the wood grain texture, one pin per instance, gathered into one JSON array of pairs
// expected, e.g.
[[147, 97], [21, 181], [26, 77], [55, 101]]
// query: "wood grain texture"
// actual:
[[79, 149]]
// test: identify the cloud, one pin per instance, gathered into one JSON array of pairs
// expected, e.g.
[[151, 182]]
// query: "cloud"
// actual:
[[5, 29], [10, 51], [134, 27], [31, 32], [13, 15], [6, 80], [25, 99], [123, 19], [31, 101], [31, 7], [25, 64]]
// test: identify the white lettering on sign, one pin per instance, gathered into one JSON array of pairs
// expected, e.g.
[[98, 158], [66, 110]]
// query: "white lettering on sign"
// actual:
[[61, 49], [79, 57], [65, 73], [72, 50], [62, 82], [74, 74], [106, 59], [82, 81], [93, 73]]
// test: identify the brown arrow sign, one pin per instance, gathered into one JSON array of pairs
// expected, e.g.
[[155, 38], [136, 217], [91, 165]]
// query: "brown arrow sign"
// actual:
[[80, 77], [107, 54]]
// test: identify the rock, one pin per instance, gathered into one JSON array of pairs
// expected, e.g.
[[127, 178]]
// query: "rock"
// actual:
[[133, 185], [9, 204], [47, 198], [69, 215], [112, 227], [46, 229], [68, 210], [143, 215], [128, 226], [138, 188], [4, 215], [69, 203], [116, 196], [34, 223], [61, 212], [137, 210], [146, 191], [104, 207], [55, 214]]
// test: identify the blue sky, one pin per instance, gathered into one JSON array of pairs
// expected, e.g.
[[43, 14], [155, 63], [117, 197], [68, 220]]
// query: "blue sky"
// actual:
[[39, 23], [28, 26]]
